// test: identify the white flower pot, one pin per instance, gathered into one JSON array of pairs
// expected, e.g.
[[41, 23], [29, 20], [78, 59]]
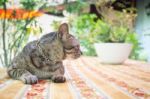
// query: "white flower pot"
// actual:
[[113, 53]]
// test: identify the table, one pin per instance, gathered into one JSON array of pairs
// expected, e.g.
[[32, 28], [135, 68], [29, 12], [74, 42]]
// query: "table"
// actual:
[[87, 78]]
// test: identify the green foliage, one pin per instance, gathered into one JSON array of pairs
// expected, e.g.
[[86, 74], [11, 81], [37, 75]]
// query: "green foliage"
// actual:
[[15, 32], [76, 7], [55, 25], [104, 32], [2, 2], [90, 30], [83, 27], [32, 4], [137, 52]]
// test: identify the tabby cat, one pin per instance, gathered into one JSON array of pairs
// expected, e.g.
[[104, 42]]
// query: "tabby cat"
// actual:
[[42, 59]]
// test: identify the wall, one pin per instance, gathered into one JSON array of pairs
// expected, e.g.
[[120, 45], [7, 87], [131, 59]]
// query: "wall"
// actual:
[[143, 25]]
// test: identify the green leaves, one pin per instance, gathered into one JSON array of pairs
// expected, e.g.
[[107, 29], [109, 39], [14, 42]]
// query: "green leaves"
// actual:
[[83, 27], [76, 7], [104, 32], [16, 31], [101, 31], [89, 29], [118, 34], [137, 50], [2, 2], [32, 4]]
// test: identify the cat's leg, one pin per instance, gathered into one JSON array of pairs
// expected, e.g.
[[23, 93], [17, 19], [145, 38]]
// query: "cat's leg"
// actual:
[[59, 76], [23, 75]]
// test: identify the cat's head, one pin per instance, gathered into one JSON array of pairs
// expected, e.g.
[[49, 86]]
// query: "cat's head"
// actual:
[[70, 43]]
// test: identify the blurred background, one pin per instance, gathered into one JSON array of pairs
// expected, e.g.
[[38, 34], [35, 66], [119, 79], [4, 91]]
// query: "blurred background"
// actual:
[[91, 21]]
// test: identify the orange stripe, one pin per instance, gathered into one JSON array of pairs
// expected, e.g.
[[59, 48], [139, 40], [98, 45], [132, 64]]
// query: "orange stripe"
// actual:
[[143, 70], [60, 90], [143, 74], [132, 81], [11, 91]]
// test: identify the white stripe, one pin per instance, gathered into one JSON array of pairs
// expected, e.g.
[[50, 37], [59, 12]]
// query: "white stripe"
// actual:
[[91, 84], [71, 85], [6, 84]]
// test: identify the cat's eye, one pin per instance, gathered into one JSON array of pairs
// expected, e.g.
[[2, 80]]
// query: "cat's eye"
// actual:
[[70, 48], [74, 47]]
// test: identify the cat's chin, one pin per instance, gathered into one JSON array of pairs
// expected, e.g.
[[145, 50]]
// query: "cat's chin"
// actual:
[[72, 57]]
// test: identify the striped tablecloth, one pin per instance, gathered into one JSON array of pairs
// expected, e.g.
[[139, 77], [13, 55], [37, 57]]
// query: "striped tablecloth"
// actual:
[[87, 78]]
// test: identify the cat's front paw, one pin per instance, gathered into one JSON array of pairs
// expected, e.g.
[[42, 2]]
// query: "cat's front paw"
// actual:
[[29, 79], [58, 79]]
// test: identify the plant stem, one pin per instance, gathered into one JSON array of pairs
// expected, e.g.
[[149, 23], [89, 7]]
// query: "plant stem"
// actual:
[[4, 36], [28, 21]]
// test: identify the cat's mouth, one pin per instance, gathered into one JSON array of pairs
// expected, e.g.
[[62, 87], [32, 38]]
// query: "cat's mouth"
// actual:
[[73, 53]]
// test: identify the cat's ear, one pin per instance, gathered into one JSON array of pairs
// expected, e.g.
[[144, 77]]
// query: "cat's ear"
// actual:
[[63, 29]]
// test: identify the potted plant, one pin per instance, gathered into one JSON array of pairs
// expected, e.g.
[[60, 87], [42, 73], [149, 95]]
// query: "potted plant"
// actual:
[[112, 44], [91, 30]]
